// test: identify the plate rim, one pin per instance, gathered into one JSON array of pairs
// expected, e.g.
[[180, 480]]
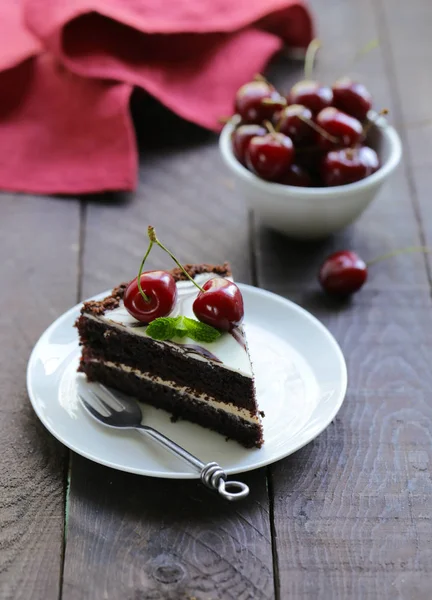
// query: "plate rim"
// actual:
[[191, 475]]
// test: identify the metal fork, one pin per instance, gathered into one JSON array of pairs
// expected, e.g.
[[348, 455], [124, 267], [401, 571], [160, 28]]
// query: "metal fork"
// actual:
[[125, 413]]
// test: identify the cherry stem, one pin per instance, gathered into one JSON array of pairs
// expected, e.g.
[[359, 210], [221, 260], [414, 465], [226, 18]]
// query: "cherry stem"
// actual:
[[259, 77], [371, 45], [409, 249], [141, 291], [153, 240], [366, 128], [271, 102], [270, 127], [320, 130], [311, 51]]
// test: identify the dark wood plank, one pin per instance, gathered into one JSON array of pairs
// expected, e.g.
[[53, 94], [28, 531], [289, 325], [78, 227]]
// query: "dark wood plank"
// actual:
[[352, 509], [139, 538], [408, 27], [39, 249]]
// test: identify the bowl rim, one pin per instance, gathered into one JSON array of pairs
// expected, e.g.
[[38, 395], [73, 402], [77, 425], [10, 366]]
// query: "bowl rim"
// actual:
[[381, 124]]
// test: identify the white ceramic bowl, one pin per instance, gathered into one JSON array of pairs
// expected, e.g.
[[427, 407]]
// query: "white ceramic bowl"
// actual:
[[310, 213]]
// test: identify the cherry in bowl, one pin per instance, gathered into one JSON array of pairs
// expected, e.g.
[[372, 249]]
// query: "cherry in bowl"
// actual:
[[293, 121], [269, 156], [249, 101], [341, 129], [352, 98], [296, 176], [311, 94], [348, 165], [241, 138]]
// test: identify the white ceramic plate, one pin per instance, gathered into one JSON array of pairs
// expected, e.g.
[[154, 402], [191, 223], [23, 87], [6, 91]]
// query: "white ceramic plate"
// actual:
[[301, 382]]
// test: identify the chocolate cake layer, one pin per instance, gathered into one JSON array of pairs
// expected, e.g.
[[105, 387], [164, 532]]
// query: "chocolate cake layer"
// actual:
[[166, 361], [179, 404]]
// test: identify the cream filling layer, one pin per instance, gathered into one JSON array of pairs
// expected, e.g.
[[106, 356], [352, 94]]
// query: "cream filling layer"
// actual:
[[241, 413]]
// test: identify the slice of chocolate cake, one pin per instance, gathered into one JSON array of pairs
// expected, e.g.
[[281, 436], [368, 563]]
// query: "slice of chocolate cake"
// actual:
[[209, 383]]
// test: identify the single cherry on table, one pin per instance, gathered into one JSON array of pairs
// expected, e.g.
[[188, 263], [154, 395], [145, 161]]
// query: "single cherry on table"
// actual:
[[352, 98], [219, 304], [343, 273], [161, 291], [348, 165], [270, 156]]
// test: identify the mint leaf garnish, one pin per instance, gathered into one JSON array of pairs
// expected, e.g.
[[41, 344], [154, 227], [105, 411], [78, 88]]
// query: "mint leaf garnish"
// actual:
[[162, 328], [181, 328], [200, 332], [166, 328]]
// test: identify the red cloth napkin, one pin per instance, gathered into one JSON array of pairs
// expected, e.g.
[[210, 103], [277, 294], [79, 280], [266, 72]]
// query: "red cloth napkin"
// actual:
[[67, 70]]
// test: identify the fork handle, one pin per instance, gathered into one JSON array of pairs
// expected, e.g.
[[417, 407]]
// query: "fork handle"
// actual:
[[211, 474]]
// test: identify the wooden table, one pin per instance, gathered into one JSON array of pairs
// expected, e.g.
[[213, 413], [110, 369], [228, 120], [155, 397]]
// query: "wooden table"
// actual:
[[349, 516]]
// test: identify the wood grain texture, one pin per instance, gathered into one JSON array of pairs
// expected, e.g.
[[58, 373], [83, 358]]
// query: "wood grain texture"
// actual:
[[38, 245], [407, 28], [352, 509], [139, 538]]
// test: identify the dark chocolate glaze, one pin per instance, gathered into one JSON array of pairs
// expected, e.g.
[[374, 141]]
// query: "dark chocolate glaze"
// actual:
[[239, 337], [195, 349]]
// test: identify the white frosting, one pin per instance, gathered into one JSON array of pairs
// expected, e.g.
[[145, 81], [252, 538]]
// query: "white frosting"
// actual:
[[241, 413], [229, 351]]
